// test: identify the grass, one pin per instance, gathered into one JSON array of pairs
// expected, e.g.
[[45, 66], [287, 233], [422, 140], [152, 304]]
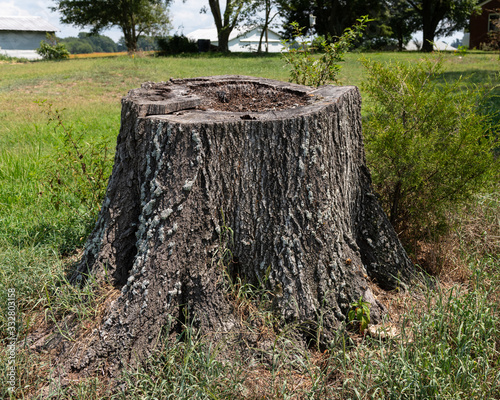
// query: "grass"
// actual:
[[448, 343]]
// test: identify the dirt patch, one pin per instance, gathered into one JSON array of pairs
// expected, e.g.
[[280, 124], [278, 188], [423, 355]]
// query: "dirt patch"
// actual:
[[248, 97]]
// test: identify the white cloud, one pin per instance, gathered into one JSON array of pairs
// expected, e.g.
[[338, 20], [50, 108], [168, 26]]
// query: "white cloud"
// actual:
[[9, 8], [186, 16]]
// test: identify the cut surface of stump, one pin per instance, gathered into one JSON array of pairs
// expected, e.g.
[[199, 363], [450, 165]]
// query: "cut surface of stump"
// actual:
[[279, 166]]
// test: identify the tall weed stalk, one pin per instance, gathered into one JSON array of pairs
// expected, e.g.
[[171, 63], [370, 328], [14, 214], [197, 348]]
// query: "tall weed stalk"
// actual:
[[77, 175]]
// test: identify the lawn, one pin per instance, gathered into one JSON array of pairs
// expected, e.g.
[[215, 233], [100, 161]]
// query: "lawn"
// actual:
[[449, 325]]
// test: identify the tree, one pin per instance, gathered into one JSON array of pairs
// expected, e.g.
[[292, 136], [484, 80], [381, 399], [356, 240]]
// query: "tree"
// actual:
[[494, 34], [78, 46], [269, 14], [90, 43], [227, 20], [402, 20], [99, 43], [134, 17], [261, 13], [280, 181], [332, 16], [442, 17]]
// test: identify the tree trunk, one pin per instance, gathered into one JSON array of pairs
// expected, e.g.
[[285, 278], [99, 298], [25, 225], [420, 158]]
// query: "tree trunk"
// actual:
[[428, 39], [280, 164], [223, 37], [432, 12]]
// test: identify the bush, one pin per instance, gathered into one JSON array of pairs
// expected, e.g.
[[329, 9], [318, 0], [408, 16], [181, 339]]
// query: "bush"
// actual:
[[379, 44], [147, 43], [428, 145], [51, 49], [176, 44]]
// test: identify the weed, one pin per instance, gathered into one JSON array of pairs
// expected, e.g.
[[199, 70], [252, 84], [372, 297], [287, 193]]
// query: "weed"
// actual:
[[78, 174], [461, 51], [250, 300], [307, 69], [359, 315], [189, 368]]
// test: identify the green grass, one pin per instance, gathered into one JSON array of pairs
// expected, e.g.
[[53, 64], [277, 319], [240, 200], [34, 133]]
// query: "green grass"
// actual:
[[449, 351]]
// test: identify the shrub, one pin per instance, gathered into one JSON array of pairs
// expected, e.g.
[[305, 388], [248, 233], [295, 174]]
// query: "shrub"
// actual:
[[176, 44], [308, 69], [51, 49], [379, 44], [428, 145]]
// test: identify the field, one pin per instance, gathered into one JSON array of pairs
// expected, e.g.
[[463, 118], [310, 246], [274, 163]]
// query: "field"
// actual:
[[448, 346]]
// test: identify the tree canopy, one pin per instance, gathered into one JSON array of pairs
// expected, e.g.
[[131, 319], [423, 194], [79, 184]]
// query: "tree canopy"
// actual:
[[401, 20], [332, 17], [396, 19], [134, 17], [87, 43]]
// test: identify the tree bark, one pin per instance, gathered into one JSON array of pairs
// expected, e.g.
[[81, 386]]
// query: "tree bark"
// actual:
[[291, 181]]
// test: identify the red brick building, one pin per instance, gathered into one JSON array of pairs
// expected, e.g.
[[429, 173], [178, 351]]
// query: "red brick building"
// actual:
[[482, 24]]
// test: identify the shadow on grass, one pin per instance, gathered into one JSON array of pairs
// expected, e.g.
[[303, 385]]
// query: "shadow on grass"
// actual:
[[65, 237], [488, 78]]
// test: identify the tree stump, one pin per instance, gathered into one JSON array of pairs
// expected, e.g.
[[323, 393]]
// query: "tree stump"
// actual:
[[281, 165]]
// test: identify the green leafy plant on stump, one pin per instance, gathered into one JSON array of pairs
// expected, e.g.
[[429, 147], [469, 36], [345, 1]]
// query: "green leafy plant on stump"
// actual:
[[315, 70], [359, 314]]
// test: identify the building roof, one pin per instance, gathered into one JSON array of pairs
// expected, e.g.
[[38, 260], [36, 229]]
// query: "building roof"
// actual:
[[208, 33], [36, 24], [484, 3]]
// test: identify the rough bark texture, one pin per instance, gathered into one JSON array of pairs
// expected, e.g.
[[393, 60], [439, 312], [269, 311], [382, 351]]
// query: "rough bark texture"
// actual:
[[292, 185]]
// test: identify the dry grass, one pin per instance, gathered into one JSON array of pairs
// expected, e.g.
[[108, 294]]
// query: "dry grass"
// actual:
[[474, 235], [117, 54]]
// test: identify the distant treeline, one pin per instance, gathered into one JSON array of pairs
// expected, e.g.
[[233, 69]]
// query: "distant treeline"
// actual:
[[86, 43]]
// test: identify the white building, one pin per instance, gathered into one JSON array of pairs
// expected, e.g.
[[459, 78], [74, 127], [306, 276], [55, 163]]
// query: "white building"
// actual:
[[21, 36], [439, 45], [245, 39]]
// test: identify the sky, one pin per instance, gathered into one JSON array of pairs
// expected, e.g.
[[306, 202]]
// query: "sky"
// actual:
[[185, 15]]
